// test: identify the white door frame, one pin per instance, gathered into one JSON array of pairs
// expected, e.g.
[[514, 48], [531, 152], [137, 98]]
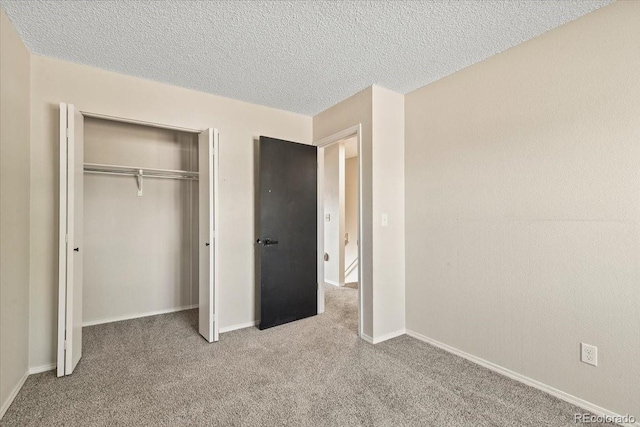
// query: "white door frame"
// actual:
[[321, 144], [62, 245]]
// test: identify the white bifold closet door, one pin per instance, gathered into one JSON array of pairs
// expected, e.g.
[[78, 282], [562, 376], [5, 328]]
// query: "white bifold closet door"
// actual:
[[70, 247], [70, 237], [208, 246]]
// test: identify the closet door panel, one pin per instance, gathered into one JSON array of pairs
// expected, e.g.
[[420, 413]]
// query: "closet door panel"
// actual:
[[70, 239], [207, 162], [75, 248]]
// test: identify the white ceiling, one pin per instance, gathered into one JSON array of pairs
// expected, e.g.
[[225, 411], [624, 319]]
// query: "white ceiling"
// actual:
[[301, 56]]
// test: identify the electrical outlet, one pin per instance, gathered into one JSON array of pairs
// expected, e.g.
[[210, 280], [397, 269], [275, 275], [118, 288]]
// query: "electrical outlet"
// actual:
[[589, 354]]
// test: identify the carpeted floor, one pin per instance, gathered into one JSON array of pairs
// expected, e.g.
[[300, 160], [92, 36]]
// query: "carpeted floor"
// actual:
[[158, 371]]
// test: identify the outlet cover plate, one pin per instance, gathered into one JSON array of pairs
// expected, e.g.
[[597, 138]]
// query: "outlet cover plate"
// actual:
[[589, 354]]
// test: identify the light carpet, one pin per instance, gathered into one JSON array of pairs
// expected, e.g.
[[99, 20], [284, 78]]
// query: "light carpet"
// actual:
[[315, 372]]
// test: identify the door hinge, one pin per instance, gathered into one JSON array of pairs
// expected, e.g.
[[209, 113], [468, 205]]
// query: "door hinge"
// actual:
[[67, 133], [66, 238], [65, 344]]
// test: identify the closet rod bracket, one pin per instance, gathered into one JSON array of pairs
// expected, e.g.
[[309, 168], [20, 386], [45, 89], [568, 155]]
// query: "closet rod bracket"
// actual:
[[139, 178]]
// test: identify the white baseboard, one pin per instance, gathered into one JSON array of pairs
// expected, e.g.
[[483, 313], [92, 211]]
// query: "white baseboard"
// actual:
[[13, 394], [388, 336], [238, 326], [382, 338], [595, 409], [137, 316], [43, 368], [367, 338], [332, 283]]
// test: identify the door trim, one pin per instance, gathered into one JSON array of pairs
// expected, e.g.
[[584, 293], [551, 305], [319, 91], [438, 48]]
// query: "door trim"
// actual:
[[62, 241], [140, 122], [216, 236], [321, 144]]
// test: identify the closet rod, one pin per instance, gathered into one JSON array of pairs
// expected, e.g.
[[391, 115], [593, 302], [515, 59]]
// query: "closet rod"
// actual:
[[137, 171], [124, 173]]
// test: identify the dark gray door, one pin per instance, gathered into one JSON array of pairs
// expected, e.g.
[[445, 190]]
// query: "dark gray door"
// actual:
[[287, 231]]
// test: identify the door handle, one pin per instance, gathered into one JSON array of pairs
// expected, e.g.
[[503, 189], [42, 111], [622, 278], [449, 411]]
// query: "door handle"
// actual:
[[76, 249], [267, 241], [206, 244]]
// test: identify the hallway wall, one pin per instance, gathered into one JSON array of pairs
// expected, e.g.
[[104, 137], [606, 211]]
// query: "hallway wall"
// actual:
[[351, 214], [334, 214]]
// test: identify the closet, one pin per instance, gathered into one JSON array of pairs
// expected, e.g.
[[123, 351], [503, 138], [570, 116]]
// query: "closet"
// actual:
[[138, 206]]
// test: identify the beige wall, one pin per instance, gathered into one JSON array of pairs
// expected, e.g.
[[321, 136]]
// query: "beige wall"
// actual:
[[381, 114], [523, 208], [99, 91], [140, 253], [14, 211], [388, 198]]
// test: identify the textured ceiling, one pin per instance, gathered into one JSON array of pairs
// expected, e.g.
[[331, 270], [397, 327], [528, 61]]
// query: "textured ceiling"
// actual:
[[301, 56]]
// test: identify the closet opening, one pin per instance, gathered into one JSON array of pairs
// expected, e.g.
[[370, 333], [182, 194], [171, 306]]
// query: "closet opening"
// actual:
[[140, 221], [137, 226]]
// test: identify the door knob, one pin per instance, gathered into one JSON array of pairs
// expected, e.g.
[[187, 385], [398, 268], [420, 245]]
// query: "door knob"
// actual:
[[267, 241], [76, 249], [206, 244]]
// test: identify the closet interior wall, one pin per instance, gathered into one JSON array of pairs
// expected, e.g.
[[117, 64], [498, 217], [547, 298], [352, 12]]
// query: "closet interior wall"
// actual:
[[140, 252]]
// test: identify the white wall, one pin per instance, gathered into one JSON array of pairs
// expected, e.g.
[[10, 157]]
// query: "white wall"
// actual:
[[351, 212], [114, 94], [334, 207], [140, 253], [523, 208], [14, 211]]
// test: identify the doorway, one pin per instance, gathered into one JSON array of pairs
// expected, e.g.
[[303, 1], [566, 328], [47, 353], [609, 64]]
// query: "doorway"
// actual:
[[340, 224], [289, 286]]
